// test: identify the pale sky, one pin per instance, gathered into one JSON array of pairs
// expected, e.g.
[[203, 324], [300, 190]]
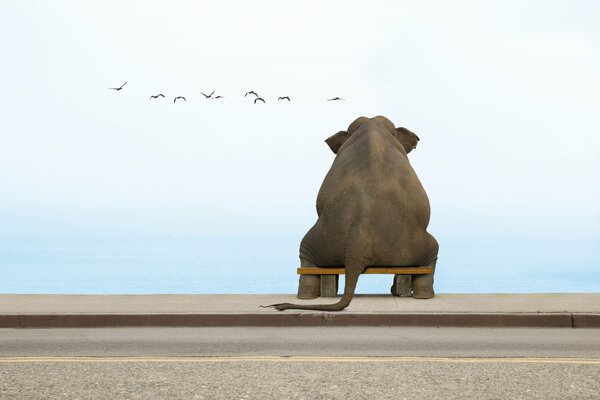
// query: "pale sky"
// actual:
[[505, 96]]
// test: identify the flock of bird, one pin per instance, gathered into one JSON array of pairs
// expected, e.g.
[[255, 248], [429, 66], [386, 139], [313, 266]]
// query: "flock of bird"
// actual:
[[257, 98]]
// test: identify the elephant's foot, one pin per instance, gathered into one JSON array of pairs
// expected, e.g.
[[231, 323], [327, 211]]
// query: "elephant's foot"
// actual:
[[422, 286], [425, 294], [309, 287]]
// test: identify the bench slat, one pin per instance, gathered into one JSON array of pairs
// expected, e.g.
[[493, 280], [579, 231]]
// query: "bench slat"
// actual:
[[369, 270]]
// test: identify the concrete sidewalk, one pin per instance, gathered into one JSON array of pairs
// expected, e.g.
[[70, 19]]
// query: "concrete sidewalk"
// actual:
[[494, 310]]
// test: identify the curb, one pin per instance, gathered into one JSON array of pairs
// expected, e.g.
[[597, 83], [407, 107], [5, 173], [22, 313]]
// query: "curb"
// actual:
[[496, 320]]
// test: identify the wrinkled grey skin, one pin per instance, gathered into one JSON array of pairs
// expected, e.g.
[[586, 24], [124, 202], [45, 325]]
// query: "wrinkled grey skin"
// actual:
[[372, 211]]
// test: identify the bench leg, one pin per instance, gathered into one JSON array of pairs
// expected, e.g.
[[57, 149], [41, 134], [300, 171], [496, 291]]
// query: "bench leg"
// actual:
[[309, 287], [402, 285], [329, 285], [423, 285]]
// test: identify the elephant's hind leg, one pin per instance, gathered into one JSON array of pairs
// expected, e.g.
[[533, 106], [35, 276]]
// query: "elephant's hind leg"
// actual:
[[309, 286]]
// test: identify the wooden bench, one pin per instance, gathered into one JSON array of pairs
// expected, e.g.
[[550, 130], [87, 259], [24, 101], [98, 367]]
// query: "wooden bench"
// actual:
[[330, 277]]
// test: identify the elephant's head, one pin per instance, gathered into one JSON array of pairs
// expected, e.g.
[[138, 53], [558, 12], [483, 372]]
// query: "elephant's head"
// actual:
[[408, 139]]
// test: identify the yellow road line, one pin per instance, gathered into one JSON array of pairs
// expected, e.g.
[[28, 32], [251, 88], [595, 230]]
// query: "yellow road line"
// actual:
[[467, 360]]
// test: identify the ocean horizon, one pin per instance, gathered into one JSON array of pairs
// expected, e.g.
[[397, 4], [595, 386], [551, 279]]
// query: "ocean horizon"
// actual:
[[266, 263]]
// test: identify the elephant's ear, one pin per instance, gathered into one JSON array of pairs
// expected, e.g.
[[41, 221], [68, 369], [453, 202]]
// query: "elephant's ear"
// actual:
[[336, 141]]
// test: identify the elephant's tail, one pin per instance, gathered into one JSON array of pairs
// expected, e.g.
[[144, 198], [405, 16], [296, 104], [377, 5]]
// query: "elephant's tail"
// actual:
[[352, 273]]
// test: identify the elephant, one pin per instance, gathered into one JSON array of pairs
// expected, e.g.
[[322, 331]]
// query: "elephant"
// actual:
[[372, 211]]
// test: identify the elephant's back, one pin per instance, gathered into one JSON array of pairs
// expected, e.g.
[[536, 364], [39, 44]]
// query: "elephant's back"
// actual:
[[373, 176], [371, 197]]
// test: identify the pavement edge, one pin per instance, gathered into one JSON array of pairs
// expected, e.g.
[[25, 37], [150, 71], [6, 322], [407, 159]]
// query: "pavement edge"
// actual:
[[286, 319]]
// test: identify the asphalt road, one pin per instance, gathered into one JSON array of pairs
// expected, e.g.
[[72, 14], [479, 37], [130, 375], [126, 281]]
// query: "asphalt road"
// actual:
[[319, 341], [300, 363]]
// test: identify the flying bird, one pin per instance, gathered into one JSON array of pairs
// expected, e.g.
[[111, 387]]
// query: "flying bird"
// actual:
[[208, 96], [259, 99], [118, 88], [179, 97], [156, 96], [335, 98], [251, 92], [284, 98]]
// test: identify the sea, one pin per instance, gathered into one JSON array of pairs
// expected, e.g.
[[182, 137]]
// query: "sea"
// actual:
[[266, 264]]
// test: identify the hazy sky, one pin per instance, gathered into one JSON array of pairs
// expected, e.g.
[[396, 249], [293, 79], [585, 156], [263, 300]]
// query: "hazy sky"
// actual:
[[505, 96]]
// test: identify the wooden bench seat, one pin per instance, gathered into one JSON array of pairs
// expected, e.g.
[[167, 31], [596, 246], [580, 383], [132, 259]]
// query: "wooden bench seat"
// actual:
[[369, 270], [329, 277]]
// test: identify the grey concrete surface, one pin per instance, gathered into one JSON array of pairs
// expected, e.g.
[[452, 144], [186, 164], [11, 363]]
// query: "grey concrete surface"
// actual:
[[508, 310], [302, 341], [11, 304]]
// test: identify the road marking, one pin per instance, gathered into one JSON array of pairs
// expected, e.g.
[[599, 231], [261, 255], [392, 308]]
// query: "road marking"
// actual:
[[484, 360]]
